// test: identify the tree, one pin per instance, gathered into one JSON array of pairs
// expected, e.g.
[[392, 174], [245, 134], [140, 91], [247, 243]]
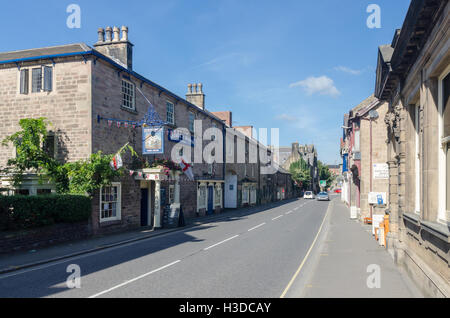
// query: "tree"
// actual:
[[30, 154], [325, 174], [301, 173]]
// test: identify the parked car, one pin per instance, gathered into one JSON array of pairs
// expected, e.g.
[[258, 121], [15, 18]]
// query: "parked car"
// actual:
[[308, 195], [323, 196], [337, 191]]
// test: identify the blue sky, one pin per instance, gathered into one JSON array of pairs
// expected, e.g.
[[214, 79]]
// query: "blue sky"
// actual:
[[295, 65]]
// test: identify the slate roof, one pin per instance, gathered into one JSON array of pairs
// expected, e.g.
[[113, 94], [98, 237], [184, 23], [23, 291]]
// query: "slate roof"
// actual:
[[45, 51]]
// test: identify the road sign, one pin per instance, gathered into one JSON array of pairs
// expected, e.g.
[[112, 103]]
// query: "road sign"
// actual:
[[323, 183]]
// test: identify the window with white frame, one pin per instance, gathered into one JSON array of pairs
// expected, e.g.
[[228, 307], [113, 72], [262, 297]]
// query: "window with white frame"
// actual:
[[128, 95], [41, 79], [444, 152], [201, 196], [217, 195], [36, 80], [191, 121], [253, 195], [24, 81], [417, 156], [110, 202], [245, 194], [170, 113]]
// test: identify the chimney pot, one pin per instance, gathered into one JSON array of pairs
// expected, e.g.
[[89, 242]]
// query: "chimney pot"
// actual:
[[189, 88], [124, 33], [108, 34], [116, 32], [200, 87], [101, 35], [195, 88]]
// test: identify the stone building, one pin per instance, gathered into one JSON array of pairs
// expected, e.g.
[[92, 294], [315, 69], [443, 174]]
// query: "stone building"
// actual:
[[84, 92], [285, 156], [246, 182], [413, 77], [365, 147], [71, 85]]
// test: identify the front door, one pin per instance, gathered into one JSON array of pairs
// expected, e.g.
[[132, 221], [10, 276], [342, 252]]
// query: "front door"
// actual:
[[230, 191], [144, 207], [210, 199]]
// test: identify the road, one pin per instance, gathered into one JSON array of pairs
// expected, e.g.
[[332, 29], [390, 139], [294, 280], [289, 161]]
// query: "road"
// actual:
[[255, 255]]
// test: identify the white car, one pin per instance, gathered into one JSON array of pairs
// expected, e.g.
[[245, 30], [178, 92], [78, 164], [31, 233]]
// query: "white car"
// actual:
[[308, 195]]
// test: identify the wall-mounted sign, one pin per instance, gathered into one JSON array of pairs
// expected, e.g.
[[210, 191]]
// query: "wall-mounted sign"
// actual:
[[175, 135], [152, 140], [378, 198], [381, 171]]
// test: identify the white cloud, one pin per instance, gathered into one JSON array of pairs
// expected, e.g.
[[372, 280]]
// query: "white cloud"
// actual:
[[348, 70], [322, 85]]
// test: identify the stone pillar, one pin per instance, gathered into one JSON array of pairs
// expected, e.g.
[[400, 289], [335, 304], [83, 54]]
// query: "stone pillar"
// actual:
[[157, 217]]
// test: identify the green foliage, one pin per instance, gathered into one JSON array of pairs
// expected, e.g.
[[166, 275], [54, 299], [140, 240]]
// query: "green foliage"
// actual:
[[301, 173], [80, 177], [25, 212], [325, 173], [30, 154], [85, 176]]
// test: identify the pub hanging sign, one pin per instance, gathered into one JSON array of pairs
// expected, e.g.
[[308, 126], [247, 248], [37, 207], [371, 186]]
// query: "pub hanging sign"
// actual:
[[152, 140]]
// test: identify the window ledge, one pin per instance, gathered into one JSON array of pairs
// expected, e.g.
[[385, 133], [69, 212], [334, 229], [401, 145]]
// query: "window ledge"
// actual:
[[412, 218], [439, 230], [110, 222], [133, 111]]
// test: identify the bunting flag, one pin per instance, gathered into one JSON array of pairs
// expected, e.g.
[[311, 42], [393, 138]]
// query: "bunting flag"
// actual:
[[131, 172], [109, 123], [116, 162], [118, 124], [187, 169]]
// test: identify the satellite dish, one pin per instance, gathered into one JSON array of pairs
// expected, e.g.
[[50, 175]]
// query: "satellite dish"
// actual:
[[373, 114]]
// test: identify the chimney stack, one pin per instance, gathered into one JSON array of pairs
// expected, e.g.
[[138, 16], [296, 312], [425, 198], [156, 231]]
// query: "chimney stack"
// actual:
[[108, 34], [119, 49], [101, 35], [116, 32], [195, 95]]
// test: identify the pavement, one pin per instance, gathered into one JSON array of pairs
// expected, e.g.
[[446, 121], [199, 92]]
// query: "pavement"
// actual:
[[347, 261], [263, 252]]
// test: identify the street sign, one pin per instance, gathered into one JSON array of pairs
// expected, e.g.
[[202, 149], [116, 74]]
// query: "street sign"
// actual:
[[381, 171], [323, 183], [377, 198]]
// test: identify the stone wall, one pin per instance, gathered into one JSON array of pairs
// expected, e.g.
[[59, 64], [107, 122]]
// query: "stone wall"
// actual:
[[41, 237], [67, 106]]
